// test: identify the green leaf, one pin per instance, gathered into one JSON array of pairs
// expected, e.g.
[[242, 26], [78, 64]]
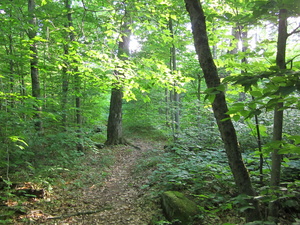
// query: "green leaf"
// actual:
[[242, 209], [290, 149], [236, 117], [211, 98], [287, 90], [295, 138], [244, 113], [256, 94], [44, 2]]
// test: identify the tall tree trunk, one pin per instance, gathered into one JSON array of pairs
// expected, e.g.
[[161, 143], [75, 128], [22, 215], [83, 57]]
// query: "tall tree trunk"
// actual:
[[175, 97], [228, 134], [34, 71], [77, 81], [78, 113], [114, 125], [278, 115], [66, 68], [243, 38], [10, 53]]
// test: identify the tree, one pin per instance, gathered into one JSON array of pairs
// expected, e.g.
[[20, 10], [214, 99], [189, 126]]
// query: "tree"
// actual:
[[34, 70], [278, 112], [114, 125], [227, 130], [66, 69], [174, 95]]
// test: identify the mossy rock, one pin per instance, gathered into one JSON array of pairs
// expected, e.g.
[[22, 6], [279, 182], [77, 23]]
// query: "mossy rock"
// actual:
[[178, 207]]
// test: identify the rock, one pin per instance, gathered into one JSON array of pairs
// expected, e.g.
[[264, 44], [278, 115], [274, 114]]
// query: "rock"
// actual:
[[178, 207]]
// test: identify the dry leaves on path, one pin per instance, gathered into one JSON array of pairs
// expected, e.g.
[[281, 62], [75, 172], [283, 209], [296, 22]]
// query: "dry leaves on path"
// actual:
[[118, 200]]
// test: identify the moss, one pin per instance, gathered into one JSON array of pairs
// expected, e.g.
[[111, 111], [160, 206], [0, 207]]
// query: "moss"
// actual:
[[178, 207]]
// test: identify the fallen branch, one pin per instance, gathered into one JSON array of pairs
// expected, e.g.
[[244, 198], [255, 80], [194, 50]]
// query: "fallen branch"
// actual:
[[78, 214]]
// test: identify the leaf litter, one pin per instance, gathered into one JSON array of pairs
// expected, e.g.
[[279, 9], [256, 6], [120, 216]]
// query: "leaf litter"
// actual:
[[117, 199]]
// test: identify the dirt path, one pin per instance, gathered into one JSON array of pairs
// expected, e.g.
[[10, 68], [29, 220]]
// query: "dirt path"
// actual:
[[119, 200]]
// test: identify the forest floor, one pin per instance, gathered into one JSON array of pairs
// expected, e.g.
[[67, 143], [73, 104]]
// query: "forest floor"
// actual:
[[117, 199], [107, 186]]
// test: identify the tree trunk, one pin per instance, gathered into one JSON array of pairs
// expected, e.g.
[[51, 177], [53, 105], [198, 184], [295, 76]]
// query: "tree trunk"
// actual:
[[228, 134], [278, 116], [77, 81], [175, 95], [66, 69], [10, 53], [34, 71], [114, 125]]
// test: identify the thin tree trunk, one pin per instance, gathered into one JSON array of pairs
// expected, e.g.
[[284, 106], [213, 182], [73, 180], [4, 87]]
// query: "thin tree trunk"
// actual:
[[243, 38], [235, 32], [228, 134], [80, 146], [176, 96], [198, 105], [77, 82], [114, 125], [66, 68], [259, 145], [167, 111], [278, 115], [11, 61], [34, 71]]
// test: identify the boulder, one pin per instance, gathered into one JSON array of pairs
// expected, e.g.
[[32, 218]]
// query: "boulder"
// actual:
[[177, 207]]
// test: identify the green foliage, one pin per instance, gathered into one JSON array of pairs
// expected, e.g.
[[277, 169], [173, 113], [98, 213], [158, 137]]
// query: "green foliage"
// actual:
[[86, 48], [181, 169]]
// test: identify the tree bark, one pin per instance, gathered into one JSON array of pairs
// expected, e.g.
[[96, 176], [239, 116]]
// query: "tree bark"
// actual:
[[77, 81], [114, 125], [226, 128], [66, 69], [278, 116], [34, 71], [175, 96]]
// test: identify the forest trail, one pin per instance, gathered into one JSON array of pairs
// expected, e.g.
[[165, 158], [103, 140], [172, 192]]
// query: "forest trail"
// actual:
[[119, 200]]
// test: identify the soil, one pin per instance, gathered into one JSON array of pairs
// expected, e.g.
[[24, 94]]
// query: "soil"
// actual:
[[117, 200]]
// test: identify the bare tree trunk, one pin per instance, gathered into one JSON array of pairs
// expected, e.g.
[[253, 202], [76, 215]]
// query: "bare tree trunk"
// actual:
[[66, 68], [167, 111], [228, 134], [11, 61], [175, 95], [278, 115], [78, 115], [34, 71], [77, 82], [114, 125], [198, 105]]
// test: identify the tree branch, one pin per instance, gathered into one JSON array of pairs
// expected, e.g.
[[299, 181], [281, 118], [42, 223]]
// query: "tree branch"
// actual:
[[291, 60], [295, 31]]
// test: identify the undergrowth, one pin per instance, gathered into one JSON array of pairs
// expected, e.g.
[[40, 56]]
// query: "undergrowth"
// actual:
[[202, 172]]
